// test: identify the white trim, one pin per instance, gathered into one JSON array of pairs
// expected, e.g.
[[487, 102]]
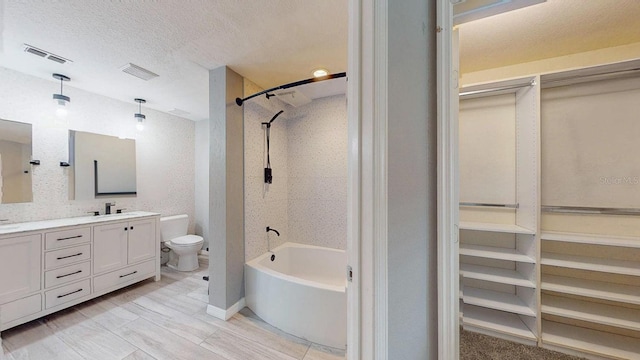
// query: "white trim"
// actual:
[[380, 206], [226, 314], [354, 176], [447, 108]]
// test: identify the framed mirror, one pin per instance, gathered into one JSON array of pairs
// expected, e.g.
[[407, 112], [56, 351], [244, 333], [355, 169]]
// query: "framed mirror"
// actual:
[[101, 166], [15, 169]]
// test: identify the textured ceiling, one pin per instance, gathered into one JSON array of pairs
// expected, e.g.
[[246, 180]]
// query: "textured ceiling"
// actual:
[[269, 42], [546, 30]]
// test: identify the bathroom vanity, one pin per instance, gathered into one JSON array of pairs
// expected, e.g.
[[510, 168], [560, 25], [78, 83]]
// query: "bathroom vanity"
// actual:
[[47, 266]]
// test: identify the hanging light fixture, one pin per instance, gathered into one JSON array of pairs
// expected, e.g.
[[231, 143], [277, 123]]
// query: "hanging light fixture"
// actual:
[[139, 115], [62, 101]]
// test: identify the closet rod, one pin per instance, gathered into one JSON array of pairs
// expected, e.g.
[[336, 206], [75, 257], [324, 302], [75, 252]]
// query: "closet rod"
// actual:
[[599, 76], [590, 210], [503, 88], [505, 206]]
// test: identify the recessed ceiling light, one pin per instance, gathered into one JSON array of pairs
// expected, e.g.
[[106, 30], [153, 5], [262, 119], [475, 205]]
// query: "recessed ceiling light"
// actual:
[[320, 73]]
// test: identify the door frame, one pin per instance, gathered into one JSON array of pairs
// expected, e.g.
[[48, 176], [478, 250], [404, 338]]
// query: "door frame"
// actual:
[[366, 295]]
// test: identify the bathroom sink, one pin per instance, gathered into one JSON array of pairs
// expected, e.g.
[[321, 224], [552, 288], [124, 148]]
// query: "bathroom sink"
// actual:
[[116, 215]]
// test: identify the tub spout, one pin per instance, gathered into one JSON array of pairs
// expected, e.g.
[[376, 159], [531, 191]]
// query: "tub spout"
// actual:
[[274, 230]]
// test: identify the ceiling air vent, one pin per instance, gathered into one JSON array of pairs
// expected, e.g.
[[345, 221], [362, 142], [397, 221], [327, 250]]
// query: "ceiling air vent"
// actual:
[[178, 112], [139, 72], [45, 54]]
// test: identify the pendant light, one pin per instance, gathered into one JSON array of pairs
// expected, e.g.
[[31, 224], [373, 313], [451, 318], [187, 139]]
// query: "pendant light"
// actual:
[[62, 101], [139, 115]]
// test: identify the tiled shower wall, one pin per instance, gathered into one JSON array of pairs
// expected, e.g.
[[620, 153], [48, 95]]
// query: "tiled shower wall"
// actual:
[[265, 204], [317, 161], [164, 150], [307, 202]]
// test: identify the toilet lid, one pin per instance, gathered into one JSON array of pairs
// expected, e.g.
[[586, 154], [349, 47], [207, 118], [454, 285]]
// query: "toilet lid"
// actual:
[[186, 240]]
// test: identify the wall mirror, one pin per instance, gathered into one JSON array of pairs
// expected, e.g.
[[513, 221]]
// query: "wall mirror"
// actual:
[[101, 166], [15, 169]]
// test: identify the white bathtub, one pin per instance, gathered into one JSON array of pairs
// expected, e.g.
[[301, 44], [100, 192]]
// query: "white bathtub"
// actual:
[[302, 292]]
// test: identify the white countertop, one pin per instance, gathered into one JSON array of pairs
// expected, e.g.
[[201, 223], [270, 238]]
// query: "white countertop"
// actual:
[[74, 221]]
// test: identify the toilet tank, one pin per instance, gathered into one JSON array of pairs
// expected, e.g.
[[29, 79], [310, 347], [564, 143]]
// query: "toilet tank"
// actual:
[[172, 227]]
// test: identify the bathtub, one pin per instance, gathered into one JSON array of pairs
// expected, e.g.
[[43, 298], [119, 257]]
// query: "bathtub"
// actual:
[[302, 292]]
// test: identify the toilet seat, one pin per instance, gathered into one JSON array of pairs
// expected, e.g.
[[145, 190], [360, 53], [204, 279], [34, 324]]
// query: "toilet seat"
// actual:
[[186, 240]]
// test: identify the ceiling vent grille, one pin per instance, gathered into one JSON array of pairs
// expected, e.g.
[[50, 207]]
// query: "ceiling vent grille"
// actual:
[[45, 54], [178, 112], [139, 72]]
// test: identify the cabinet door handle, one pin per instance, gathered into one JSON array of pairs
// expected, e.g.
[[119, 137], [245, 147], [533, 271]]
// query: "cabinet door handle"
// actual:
[[73, 292], [65, 257], [125, 275], [125, 228], [131, 228], [70, 237], [73, 273]]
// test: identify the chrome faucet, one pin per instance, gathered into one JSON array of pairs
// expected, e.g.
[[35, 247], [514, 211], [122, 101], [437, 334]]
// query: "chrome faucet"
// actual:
[[107, 208]]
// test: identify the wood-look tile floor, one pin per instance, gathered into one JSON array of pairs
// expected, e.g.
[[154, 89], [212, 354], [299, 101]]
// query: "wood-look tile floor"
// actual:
[[156, 320]]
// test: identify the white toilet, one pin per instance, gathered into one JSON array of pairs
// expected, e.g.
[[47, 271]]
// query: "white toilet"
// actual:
[[184, 247]]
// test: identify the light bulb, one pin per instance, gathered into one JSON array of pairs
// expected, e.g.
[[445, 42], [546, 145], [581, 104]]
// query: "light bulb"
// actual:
[[139, 125], [61, 112], [320, 73]]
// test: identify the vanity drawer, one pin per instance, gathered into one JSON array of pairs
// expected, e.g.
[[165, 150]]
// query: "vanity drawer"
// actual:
[[56, 258], [58, 239], [67, 293], [125, 275], [67, 274], [20, 308]]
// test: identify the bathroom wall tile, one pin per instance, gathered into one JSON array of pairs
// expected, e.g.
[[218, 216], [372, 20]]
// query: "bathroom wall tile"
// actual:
[[265, 204], [164, 150]]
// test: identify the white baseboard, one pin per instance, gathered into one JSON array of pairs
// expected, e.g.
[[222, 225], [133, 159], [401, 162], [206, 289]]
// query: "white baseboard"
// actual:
[[226, 314]]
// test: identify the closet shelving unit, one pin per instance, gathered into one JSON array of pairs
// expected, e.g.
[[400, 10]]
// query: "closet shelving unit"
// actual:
[[590, 266], [499, 150]]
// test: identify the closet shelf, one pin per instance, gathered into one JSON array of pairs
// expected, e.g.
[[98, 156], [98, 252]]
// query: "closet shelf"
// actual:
[[503, 276], [496, 300], [592, 312], [589, 341], [609, 240], [591, 263], [591, 288], [496, 321], [505, 228], [492, 252]]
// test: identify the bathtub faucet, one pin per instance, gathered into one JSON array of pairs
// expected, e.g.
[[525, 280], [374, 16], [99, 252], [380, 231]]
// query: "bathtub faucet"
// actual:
[[274, 230]]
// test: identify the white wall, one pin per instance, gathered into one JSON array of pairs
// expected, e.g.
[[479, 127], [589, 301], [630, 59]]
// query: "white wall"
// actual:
[[164, 150], [202, 181], [317, 162]]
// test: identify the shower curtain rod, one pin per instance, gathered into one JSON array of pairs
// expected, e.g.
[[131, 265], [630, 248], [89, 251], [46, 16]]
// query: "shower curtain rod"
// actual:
[[290, 85]]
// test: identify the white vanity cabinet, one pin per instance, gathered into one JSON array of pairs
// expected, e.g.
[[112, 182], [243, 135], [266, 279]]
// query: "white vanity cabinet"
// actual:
[[47, 266], [20, 277], [123, 243], [124, 253]]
